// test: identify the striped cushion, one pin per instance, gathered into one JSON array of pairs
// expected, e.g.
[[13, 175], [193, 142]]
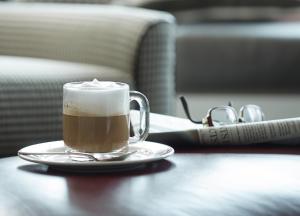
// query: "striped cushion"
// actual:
[[131, 45], [103, 35], [31, 97], [70, 1], [84, 33]]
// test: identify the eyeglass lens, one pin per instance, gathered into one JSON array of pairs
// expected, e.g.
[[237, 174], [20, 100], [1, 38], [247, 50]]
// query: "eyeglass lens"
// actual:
[[251, 113], [223, 116]]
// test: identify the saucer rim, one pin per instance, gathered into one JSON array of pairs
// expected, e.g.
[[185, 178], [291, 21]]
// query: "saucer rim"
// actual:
[[101, 164]]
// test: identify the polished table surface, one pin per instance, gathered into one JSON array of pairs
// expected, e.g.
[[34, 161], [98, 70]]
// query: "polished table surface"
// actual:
[[203, 181]]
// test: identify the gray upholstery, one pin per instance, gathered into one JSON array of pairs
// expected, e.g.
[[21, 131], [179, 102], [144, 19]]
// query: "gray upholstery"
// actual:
[[183, 4], [261, 57], [69, 1], [173, 5], [31, 97], [235, 45], [142, 43], [156, 66], [101, 35], [43, 46], [239, 15]]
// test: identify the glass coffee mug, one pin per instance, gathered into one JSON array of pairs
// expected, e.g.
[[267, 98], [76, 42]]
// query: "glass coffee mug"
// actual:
[[96, 116]]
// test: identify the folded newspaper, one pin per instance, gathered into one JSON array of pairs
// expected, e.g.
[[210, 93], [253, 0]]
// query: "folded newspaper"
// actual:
[[178, 131]]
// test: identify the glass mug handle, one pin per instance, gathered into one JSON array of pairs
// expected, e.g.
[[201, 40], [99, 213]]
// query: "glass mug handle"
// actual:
[[144, 107]]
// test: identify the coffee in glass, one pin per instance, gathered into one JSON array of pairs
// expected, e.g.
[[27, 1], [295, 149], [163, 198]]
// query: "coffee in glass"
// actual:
[[96, 116]]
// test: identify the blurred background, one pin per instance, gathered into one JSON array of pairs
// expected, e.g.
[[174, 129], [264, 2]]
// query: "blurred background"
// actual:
[[210, 51], [242, 51], [237, 50], [247, 52]]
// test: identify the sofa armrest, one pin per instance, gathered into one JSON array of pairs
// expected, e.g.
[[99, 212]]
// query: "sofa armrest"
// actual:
[[107, 35], [94, 34], [155, 69], [118, 40]]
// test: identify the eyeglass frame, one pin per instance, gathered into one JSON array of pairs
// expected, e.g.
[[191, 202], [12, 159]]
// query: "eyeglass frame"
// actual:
[[207, 120]]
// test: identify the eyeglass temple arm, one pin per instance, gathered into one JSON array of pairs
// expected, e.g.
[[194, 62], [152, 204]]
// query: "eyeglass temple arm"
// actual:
[[186, 110]]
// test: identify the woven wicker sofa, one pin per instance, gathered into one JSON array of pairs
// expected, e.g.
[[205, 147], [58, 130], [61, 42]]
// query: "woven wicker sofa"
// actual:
[[43, 46]]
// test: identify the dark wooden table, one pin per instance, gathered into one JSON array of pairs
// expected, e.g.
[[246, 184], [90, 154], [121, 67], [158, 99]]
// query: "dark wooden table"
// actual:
[[207, 181]]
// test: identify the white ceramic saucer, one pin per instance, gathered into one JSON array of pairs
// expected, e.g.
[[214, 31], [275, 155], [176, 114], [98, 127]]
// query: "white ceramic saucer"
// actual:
[[145, 152]]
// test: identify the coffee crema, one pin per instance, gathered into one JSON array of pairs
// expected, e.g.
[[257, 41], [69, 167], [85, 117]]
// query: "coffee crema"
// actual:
[[96, 133]]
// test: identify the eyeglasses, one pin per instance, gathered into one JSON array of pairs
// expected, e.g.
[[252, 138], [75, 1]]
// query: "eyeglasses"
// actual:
[[226, 115]]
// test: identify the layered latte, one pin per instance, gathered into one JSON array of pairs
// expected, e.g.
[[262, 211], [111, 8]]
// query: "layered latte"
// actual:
[[96, 116]]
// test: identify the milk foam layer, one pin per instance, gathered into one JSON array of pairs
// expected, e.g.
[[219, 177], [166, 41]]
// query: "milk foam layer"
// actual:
[[96, 98]]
